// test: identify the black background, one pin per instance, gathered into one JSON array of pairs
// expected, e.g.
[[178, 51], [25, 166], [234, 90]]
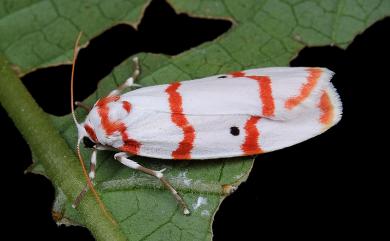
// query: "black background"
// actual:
[[331, 186]]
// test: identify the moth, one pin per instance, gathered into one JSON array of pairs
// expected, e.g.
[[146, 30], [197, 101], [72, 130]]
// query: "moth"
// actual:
[[227, 115]]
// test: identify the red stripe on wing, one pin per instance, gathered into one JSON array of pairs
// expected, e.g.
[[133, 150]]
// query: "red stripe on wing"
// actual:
[[251, 144], [186, 145], [238, 74], [265, 92], [327, 110], [306, 88], [127, 106]]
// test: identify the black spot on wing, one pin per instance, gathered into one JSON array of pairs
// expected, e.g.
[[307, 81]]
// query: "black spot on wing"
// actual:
[[234, 131]]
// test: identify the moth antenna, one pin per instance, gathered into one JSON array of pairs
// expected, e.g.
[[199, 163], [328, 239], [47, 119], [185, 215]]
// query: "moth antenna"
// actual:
[[81, 134], [75, 53]]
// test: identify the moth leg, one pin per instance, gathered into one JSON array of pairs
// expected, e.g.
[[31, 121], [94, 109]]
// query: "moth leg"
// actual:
[[91, 176], [130, 81], [123, 158], [82, 105]]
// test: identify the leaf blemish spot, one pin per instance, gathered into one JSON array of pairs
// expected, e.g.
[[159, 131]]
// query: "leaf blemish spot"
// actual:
[[182, 178], [199, 202], [205, 213]]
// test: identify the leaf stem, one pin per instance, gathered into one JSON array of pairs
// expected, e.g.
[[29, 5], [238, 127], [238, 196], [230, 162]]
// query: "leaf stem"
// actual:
[[59, 161], [132, 183]]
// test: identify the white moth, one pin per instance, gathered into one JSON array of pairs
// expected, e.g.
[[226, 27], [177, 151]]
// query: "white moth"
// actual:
[[237, 114]]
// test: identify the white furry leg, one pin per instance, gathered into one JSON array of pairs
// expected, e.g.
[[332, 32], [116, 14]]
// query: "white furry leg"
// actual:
[[82, 105], [91, 176], [130, 81], [123, 158]]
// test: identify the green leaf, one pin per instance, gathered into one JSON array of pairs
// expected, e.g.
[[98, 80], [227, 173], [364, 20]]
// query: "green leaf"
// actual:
[[264, 33]]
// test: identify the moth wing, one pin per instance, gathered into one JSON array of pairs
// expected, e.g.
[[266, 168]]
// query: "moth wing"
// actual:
[[263, 92], [272, 108]]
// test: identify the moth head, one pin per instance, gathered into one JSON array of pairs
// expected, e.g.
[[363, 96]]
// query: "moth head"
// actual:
[[90, 132], [105, 123]]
